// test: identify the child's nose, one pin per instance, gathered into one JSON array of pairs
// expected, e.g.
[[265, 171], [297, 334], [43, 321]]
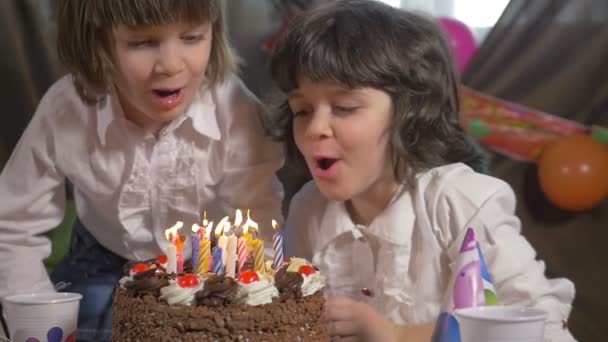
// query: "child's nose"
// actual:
[[169, 60], [319, 125]]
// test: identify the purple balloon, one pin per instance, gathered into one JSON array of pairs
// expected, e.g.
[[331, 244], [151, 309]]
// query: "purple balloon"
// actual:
[[461, 40]]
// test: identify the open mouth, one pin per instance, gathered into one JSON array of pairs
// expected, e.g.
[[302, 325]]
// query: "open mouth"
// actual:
[[167, 93], [325, 163]]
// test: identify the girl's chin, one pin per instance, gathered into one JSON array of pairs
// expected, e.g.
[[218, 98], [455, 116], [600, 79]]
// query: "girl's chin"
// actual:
[[333, 193]]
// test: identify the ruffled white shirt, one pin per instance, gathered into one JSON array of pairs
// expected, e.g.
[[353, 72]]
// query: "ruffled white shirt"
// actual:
[[407, 254], [129, 186]]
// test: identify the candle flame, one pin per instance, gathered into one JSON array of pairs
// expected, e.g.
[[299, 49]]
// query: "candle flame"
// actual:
[[172, 232], [238, 218], [250, 224], [195, 228], [208, 229], [219, 229], [205, 221], [275, 225]]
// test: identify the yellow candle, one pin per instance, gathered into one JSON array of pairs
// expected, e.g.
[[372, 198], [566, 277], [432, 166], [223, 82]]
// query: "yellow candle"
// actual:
[[258, 255], [249, 239], [204, 255]]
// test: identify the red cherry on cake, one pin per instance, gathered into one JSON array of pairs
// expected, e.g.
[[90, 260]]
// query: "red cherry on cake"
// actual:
[[307, 270], [188, 280], [137, 268], [248, 277], [161, 259]]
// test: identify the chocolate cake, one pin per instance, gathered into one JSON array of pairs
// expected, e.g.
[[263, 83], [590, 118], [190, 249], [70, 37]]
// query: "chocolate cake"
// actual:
[[279, 305]]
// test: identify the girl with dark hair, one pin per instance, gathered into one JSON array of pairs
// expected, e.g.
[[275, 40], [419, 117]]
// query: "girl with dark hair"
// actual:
[[369, 105]]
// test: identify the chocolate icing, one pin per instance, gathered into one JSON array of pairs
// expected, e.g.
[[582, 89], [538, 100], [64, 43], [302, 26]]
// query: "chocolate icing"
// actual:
[[288, 283], [137, 319], [217, 291], [147, 282]]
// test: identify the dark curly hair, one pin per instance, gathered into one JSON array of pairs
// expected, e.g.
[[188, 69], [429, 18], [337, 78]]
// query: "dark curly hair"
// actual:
[[361, 43]]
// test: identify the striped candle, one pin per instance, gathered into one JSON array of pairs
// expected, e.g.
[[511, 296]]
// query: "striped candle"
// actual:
[[243, 253], [277, 243], [195, 241], [258, 255], [204, 255], [218, 263]]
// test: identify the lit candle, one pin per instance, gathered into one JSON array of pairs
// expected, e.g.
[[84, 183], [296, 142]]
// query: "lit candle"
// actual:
[[205, 221], [204, 252], [258, 255], [179, 246], [171, 259], [251, 225], [195, 241], [243, 249], [212, 244], [231, 255], [172, 236], [277, 243], [222, 240], [218, 265]]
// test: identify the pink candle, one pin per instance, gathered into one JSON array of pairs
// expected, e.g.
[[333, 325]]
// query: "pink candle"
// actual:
[[243, 251]]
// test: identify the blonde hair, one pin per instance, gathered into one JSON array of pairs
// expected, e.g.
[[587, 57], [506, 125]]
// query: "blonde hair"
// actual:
[[85, 40]]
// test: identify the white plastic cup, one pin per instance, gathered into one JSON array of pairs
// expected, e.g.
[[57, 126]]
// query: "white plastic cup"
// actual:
[[501, 324], [41, 317]]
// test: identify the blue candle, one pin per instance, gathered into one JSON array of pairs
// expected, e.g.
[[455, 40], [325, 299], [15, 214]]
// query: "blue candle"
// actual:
[[277, 242], [195, 240], [218, 264]]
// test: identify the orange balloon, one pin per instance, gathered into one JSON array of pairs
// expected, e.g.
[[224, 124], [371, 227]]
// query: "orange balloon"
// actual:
[[573, 172]]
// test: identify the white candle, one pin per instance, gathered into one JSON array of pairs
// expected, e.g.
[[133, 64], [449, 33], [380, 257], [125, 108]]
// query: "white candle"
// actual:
[[172, 237], [231, 255], [222, 240], [171, 259]]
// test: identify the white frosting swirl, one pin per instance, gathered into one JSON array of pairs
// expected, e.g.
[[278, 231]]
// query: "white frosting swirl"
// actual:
[[257, 293], [125, 279], [175, 294], [296, 263], [312, 283]]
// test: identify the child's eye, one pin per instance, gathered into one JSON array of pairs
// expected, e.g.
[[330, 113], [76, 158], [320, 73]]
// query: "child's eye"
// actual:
[[140, 43], [193, 38], [344, 109], [299, 112]]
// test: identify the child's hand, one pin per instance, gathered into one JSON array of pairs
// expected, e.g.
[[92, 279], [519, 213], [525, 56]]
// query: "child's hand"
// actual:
[[351, 320]]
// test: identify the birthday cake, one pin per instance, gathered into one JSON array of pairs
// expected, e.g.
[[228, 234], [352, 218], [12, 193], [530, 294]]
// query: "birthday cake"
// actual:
[[157, 300]]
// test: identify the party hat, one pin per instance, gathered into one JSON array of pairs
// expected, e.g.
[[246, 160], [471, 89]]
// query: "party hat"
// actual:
[[470, 286]]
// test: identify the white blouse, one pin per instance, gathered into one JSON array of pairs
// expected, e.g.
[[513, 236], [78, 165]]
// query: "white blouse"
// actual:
[[129, 186], [407, 254]]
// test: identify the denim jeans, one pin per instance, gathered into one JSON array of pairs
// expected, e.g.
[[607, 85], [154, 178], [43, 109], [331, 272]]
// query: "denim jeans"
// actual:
[[93, 271]]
